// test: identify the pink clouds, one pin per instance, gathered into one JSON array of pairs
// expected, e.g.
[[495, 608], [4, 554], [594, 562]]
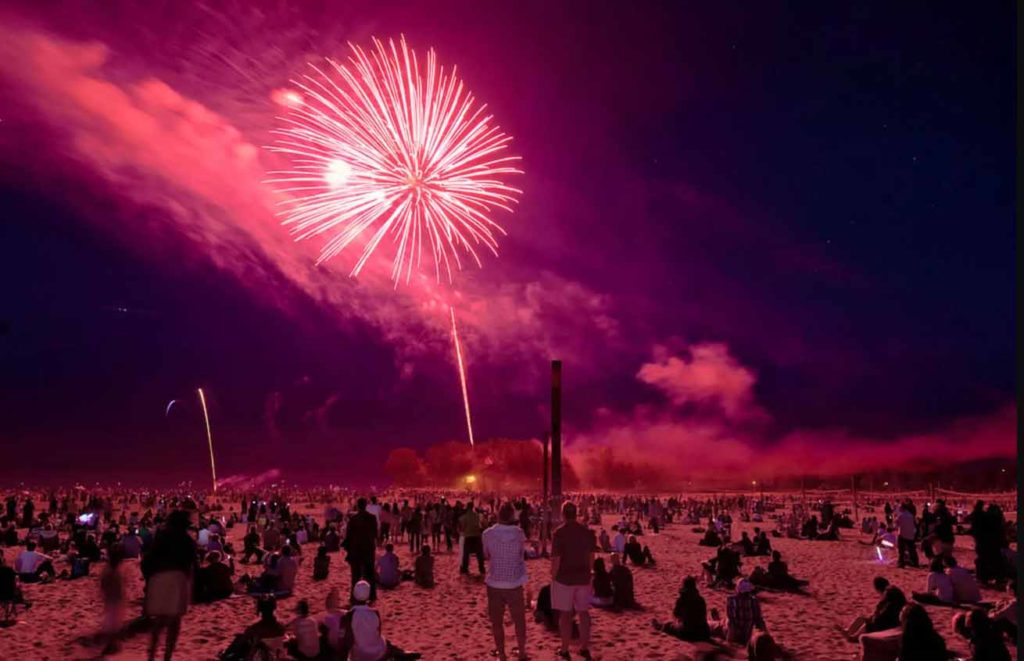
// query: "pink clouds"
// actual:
[[711, 376], [724, 438], [160, 148]]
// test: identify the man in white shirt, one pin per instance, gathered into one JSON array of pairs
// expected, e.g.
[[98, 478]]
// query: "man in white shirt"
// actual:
[[907, 528], [30, 565], [504, 544]]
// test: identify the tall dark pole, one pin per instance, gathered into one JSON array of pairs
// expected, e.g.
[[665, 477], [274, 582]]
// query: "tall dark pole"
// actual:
[[556, 429], [544, 467]]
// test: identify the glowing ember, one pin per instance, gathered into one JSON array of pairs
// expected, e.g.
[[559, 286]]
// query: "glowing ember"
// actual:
[[380, 145]]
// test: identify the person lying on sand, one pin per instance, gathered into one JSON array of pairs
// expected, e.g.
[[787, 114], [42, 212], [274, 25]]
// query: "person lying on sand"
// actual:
[[690, 615]]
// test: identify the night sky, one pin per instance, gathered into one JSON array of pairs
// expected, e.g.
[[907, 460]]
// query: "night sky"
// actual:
[[747, 224]]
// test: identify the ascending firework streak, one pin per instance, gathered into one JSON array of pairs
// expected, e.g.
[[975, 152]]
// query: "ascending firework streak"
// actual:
[[209, 438], [462, 374]]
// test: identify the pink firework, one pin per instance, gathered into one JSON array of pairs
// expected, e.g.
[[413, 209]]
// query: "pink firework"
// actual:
[[382, 146]]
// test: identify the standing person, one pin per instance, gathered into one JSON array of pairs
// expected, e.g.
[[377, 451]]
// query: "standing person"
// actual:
[[503, 545], [572, 556], [470, 529], [168, 569], [361, 545], [112, 589], [907, 527]]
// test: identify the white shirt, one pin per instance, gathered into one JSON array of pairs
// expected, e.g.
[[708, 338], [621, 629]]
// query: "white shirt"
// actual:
[[619, 543], [204, 537], [374, 509], [503, 548], [369, 644]]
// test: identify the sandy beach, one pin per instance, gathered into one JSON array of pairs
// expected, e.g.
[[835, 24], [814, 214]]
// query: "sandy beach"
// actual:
[[449, 622]]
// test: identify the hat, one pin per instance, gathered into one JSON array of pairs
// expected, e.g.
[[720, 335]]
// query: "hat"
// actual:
[[744, 586], [361, 591]]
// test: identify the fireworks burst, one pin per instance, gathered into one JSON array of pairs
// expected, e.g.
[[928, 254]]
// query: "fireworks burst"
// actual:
[[380, 146]]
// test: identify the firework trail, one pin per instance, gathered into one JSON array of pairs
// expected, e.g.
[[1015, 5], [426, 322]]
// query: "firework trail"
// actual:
[[462, 374], [209, 438], [382, 146]]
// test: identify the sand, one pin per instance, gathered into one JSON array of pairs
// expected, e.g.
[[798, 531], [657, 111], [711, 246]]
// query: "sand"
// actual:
[[449, 621]]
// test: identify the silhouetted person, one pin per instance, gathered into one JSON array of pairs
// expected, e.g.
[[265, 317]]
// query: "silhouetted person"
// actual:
[[361, 546]]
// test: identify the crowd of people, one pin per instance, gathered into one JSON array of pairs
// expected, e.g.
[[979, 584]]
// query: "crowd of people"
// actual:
[[186, 556]]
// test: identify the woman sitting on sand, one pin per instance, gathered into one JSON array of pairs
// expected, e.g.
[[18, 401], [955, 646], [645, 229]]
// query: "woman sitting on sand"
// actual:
[[919, 640], [623, 595], [762, 545], [691, 615], [602, 585]]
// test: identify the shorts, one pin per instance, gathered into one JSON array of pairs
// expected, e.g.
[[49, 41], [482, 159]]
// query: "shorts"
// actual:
[[570, 597]]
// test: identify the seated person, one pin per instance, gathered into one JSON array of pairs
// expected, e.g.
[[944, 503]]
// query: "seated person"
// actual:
[[939, 588], [691, 615], [919, 640], [778, 573], [602, 585], [89, 549], [30, 565], [885, 616], [252, 640], [543, 613], [743, 614], [331, 624], [321, 564], [831, 532], [711, 538], [270, 580], [214, 580], [810, 528], [9, 590], [762, 545], [605, 541], [622, 585], [619, 543], [423, 573], [251, 546], [131, 544], [363, 639], [724, 568], [986, 639], [388, 574], [287, 570], [305, 643], [965, 586], [639, 556], [746, 546], [332, 540]]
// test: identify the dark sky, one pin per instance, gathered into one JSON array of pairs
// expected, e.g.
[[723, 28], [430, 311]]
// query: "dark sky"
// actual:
[[825, 190]]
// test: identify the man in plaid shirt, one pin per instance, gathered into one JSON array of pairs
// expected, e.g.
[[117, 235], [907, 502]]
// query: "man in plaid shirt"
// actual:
[[744, 613], [504, 544]]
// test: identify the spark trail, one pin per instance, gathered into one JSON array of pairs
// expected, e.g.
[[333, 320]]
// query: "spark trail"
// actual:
[[462, 374], [209, 438]]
